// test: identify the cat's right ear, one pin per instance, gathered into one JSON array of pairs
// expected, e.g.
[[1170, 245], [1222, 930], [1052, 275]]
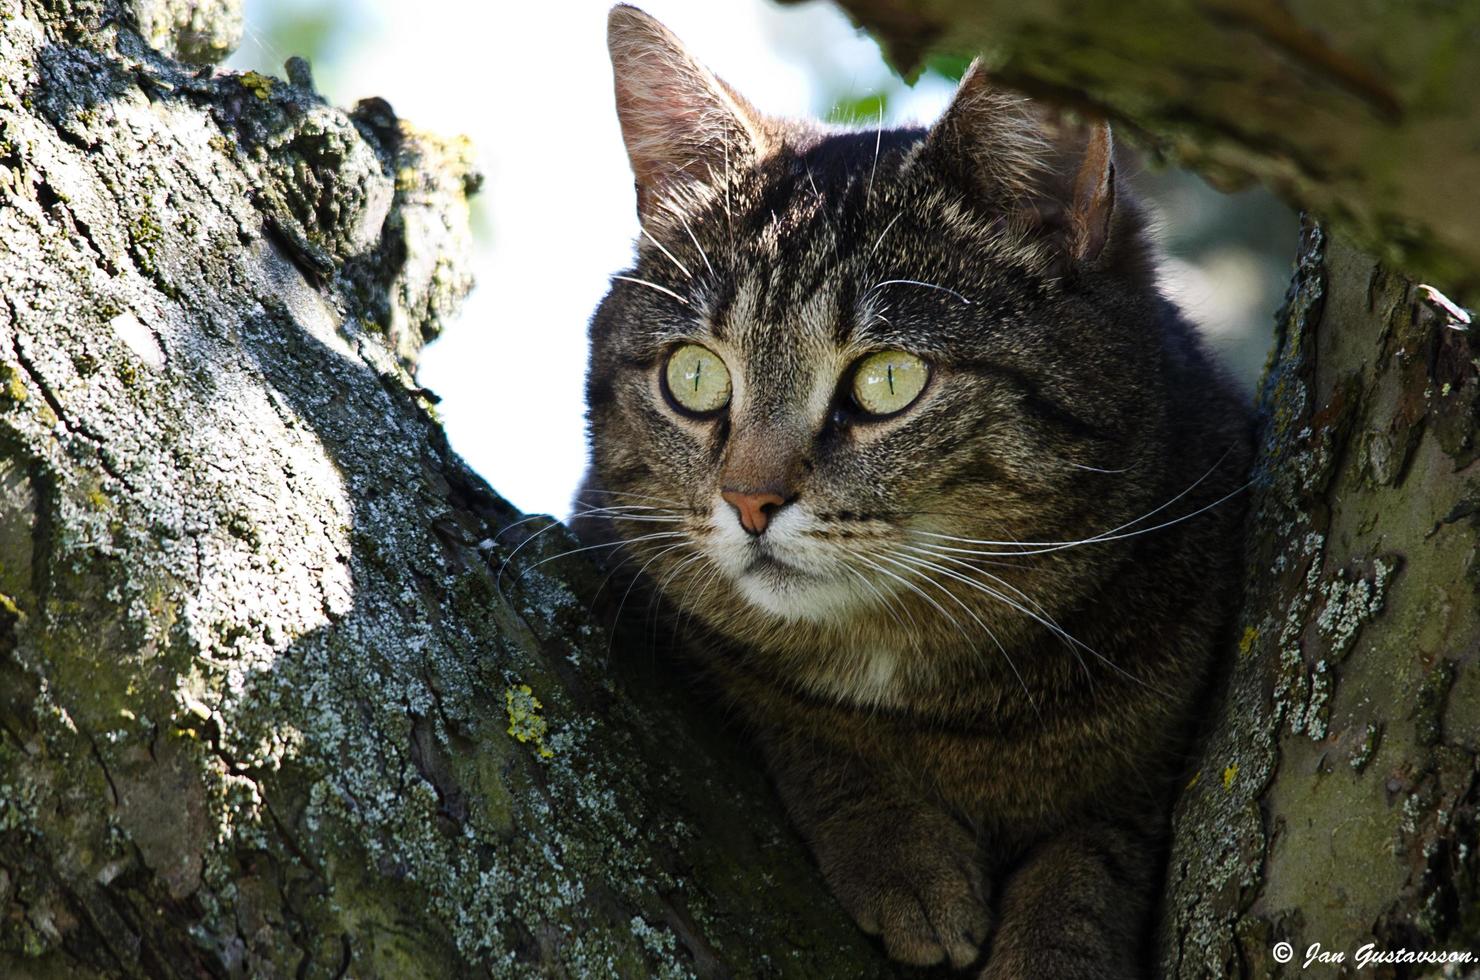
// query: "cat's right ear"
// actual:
[[1057, 184], [681, 124]]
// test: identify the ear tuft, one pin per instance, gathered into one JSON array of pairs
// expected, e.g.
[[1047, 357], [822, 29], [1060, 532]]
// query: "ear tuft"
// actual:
[[1032, 169], [679, 121], [992, 137]]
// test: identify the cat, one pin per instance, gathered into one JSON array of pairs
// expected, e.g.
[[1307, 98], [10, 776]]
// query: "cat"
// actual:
[[944, 493]]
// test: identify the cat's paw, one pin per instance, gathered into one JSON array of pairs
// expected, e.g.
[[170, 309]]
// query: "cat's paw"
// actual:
[[928, 903]]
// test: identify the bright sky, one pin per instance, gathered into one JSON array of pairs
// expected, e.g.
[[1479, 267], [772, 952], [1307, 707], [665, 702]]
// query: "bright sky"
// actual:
[[530, 83]]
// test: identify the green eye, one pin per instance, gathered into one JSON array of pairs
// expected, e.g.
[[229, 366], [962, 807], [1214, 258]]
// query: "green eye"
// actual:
[[698, 379], [887, 382]]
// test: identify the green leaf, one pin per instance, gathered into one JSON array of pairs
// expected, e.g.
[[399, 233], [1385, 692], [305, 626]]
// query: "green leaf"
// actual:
[[865, 109]]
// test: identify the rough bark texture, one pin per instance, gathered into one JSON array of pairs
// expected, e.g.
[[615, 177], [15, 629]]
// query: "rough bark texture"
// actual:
[[1365, 112], [264, 707], [1337, 798]]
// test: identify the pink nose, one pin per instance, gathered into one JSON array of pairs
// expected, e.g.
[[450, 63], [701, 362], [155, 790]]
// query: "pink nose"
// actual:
[[755, 509]]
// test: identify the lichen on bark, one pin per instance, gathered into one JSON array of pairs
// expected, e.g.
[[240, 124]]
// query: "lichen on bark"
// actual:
[[255, 644], [1354, 796]]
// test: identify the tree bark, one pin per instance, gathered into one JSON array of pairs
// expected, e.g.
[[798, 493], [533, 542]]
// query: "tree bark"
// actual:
[[267, 707], [271, 704], [1364, 113], [1336, 800]]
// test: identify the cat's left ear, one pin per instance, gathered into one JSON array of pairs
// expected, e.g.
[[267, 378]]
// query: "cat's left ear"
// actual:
[[1093, 203], [1017, 162], [680, 122]]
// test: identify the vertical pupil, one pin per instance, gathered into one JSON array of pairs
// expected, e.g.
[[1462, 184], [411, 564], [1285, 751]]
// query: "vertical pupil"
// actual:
[[890, 371], [698, 370]]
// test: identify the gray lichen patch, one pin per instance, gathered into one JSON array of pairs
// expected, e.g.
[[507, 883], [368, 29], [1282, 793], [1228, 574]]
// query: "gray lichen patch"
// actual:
[[1342, 690], [1349, 604], [1367, 747], [255, 668], [1305, 690]]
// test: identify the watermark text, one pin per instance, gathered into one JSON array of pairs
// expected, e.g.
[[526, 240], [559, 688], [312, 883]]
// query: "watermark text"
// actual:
[[1369, 955]]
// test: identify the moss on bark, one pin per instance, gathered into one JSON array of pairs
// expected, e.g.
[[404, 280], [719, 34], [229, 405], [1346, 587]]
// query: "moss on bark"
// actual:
[[266, 707]]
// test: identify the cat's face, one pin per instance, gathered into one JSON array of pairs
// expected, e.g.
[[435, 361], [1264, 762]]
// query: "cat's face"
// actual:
[[854, 378]]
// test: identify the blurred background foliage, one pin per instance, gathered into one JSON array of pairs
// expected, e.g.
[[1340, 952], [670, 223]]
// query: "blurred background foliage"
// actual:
[[530, 85]]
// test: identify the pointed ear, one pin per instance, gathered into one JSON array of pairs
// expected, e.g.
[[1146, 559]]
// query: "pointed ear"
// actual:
[[679, 121], [1094, 197], [992, 139], [1043, 177]]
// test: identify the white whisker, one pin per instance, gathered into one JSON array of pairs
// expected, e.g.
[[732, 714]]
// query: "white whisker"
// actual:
[[683, 602], [663, 585], [1044, 619], [588, 509], [498, 578], [885, 602], [1095, 469], [590, 547], [688, 608], [1046, 547], [729, 217], [916, 282], [868, 192], [694, 238], [638, 496], [972, 613], [671, 257], [606, 513], [942, 610], [638, 577], [525, 520], [652, 285], [916, 589], [1112, 534], [880, 240]]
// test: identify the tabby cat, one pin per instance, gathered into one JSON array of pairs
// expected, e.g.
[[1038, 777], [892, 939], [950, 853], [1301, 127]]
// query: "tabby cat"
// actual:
[[942, 491]]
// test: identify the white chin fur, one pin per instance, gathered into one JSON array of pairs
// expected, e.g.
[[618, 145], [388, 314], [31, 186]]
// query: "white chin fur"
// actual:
[[816, 589], [796, 599]]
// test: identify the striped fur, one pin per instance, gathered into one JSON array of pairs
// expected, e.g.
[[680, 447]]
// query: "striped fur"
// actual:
[[971, 643]]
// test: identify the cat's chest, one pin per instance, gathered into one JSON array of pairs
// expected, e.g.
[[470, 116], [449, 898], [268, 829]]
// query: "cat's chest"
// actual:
[[1021, 779], [999, 761], [869, 674]]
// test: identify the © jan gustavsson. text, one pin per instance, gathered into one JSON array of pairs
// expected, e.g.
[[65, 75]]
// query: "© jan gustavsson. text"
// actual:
[[1370, 955]]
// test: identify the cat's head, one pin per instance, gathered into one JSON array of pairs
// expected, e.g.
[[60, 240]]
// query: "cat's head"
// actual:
[[855, 375]]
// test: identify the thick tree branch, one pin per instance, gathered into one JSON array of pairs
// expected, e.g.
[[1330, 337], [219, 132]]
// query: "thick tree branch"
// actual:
[[1366, 116], [271, 702]]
